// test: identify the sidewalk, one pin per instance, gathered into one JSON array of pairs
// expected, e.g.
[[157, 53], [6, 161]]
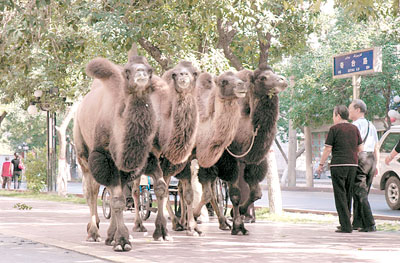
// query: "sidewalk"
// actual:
[[63, 225]]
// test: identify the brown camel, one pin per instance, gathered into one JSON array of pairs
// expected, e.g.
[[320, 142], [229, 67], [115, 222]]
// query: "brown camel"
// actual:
[[220, 113], [175, 138], [253, 139], [114, 131]]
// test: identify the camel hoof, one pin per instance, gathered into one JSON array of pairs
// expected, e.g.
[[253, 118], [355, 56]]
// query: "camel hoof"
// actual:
[[93, 239], [168, 238], [118, 248], [178, 227], [192, 233], [139, 228]]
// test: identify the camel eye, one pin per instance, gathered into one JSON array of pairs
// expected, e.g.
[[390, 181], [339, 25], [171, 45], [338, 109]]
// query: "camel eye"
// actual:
[[263, 78], [224, 82], [173, 75]]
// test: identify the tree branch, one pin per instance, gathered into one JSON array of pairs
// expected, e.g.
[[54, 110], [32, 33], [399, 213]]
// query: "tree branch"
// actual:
[[3, 116], [281, 150], [155, 53], [226, 34], [264, 42]]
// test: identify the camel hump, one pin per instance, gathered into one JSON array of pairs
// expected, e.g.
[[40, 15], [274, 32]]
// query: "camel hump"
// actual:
[[244, 74], [102, 68], [138, 60]]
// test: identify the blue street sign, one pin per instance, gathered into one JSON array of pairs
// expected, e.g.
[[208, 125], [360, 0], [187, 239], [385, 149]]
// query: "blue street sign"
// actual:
[[359, 62]]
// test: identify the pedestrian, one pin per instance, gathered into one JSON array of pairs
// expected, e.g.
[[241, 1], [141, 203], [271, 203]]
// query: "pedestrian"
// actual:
[[363, 220], [393, 153], [6, 173], [17, 172], [344, 142]]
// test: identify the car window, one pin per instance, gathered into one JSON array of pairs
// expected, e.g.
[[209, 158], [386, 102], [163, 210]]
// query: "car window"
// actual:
[[390, 142]]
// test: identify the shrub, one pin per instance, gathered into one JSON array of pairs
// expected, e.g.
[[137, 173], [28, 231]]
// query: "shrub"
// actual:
[[36, 172]]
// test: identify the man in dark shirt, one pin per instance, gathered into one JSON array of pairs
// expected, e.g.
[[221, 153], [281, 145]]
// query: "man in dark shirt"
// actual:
[[17, 171], [344, 142]]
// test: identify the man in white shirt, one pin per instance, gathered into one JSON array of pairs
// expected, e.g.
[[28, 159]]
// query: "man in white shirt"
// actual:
[[367, 161]]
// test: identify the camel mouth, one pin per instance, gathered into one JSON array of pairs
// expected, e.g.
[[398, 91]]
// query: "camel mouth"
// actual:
[[184, 83], [240, 94], [141, 81]]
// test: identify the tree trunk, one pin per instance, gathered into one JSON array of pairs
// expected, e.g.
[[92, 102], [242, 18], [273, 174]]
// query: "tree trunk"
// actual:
[[309, 173], [226, 34], [3, 115], [63, 167], [292, 155], [274, 188], [155, 53]]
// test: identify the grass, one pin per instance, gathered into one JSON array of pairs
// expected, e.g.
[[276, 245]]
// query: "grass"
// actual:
[[261, 213], [46, 196], [295, 218]]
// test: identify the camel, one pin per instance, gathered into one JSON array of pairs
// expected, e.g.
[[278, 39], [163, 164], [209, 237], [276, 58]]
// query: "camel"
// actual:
[[114, 130], [176, 135], [253, 139], [219, 112]]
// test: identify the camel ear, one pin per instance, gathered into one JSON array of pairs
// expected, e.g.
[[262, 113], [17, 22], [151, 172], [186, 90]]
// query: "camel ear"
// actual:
[[251, 77]]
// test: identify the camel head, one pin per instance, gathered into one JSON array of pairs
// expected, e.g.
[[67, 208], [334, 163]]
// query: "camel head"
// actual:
[[184, 76], [231, 86], [205, 82], [137, 74], [265, 81]]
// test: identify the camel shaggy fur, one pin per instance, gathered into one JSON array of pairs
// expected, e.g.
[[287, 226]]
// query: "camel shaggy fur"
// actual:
[[114, 130], [253, 139], [176, 135], [220, 114]]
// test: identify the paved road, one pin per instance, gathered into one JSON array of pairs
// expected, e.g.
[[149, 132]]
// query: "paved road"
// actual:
[[318, 199], [61, 228]]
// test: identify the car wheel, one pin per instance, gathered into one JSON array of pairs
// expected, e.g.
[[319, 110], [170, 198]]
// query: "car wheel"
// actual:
[[392, 193]]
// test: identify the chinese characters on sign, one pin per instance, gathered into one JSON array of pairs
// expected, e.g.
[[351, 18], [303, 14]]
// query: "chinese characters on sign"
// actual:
[[357, 63]]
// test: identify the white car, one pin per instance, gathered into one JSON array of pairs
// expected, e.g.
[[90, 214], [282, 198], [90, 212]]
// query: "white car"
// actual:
[[388, 178]]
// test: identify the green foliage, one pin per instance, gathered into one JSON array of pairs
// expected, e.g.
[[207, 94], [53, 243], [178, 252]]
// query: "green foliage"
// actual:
[[310, 102], [35, 169], [22, 206], [19, 127], [46, 196]]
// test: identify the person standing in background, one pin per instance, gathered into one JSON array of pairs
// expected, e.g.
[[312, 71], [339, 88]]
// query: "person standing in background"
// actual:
[[363, 220], [17, 172], [344, 142], [6, 173]]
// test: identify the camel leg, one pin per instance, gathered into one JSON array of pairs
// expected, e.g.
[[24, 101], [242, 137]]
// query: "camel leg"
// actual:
[[118, 233], [176, 226], [170, 170], [161, 190], [183, 219], [206, 177], [253, 175], [138, 224], [91, 192], [223, 222], [187, 198], [105, 172]]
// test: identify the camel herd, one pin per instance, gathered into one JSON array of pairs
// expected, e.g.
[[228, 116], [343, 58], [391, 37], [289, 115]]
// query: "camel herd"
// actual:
[[133, 122]]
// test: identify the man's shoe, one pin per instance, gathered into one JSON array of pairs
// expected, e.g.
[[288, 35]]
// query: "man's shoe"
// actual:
[[368, 229], [340, 230]]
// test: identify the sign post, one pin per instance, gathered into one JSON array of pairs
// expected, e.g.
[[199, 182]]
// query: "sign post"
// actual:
[[357, 63]]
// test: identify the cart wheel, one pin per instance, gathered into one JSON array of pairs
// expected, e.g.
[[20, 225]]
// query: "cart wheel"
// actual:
[[145, 204], [221, 191], [106, 198]]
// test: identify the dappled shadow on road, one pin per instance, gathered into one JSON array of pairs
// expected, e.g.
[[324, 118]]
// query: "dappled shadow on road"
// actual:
[[64, 225]]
